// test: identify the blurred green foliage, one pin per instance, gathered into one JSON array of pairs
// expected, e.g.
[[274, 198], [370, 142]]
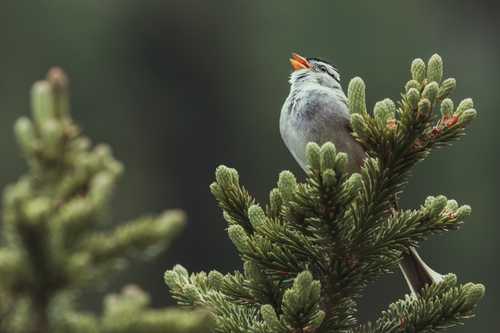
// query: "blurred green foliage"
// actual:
[[55, 244], [178, 87]]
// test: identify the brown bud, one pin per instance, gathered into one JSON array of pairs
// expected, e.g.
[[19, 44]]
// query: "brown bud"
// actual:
[[57, 79]]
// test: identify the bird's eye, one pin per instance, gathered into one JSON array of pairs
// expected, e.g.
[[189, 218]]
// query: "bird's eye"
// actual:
[[322, 68]]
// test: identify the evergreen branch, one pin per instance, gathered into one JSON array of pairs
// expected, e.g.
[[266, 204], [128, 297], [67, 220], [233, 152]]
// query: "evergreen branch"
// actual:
[[300, 307], [261, 287], [399, 143], [440, 307], [311, 252], [279, 261], [237, 287], [277, 232], [407, 228], [201, 291], [130, 312], [139, 236], [231, 197], [50, 217]]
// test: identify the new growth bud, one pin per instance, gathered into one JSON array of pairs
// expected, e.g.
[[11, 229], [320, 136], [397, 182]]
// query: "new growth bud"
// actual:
[[226, 177], [356, 96], [287, 185], [329, 177], [475, 292], [431, 91], [59, 84], [435, 68], [463, 212], [215, 279], [412, 84], [52, 135], [467, 116], [341, 162], [424, 106], [270, 317], [354, 182], [413, 97], [25, 135], [57, 79], [447, 88], [275, 201], [438, 204], [239, 237], [42, 102], [384, 110], [447, 107], [256, 216], [418, 70], [358, 124], [465, 104], [313, 155], [452, 205], [327, 156]]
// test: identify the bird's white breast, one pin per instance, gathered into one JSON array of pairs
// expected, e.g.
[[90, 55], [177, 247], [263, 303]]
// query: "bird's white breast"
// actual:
[[312, 113]]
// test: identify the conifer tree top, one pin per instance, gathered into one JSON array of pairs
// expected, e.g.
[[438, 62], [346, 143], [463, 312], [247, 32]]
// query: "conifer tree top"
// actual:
[[309, 253]]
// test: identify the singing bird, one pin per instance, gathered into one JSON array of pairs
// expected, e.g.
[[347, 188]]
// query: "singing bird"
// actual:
[[316, 111]]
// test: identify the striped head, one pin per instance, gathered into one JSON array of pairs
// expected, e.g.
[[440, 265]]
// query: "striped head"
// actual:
[[313, 70]]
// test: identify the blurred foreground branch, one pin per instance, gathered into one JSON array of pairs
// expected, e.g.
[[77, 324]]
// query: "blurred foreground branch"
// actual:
[[54, 240]]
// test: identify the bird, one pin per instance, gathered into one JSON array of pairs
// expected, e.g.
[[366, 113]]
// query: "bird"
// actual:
[[316, 110]]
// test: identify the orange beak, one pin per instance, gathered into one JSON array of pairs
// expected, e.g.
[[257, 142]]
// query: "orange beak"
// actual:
[[299, 62]]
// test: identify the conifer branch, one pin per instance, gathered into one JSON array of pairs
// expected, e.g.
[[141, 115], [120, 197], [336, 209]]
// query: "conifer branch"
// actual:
[[440, 306], [54, 237], [309, 255]]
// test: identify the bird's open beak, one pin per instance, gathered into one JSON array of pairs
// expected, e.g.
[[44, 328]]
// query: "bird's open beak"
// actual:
[[299, 62]]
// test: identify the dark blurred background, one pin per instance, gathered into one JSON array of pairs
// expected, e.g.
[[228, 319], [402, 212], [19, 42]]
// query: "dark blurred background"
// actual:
[[178, 87]]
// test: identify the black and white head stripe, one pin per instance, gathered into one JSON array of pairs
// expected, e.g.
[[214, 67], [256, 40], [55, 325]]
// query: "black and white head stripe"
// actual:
[[325, 66]]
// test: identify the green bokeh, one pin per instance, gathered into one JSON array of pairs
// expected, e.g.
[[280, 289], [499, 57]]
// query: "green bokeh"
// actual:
[[178, 87]]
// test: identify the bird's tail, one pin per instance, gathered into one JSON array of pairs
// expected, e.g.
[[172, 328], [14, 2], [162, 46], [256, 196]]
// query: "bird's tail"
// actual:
[[416, 272]]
